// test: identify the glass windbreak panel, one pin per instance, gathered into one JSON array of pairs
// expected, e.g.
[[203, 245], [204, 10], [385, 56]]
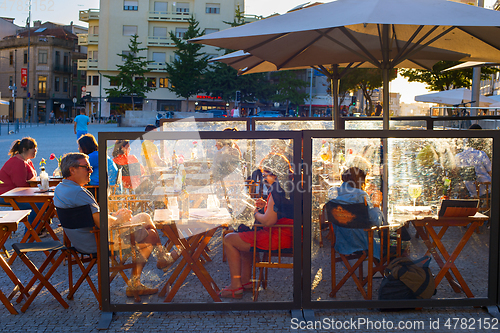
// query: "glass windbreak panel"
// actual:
[[438, 196], [465, 124], [408, 125], [332, 158], [185, 196], [188, 124], [364, 125], [292, 125]]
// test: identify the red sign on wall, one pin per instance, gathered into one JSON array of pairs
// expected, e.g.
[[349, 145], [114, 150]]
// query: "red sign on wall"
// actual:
[[24, 77]]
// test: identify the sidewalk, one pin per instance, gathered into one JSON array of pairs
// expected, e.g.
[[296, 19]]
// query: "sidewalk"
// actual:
[[46, 314]]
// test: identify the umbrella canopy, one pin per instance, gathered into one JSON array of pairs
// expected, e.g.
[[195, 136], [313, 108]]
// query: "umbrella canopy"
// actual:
[[469, 64], [4, 102], [343, 31], [453, 97]]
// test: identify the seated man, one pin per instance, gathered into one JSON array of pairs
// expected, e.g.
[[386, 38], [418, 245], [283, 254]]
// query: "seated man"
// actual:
[[70, 193]]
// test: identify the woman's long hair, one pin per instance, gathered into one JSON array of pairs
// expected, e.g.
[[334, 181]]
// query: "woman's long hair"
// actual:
[[119, 147], [20, 146]]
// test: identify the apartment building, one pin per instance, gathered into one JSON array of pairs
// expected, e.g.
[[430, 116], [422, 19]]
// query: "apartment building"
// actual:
[[110, 29], [52, 67]]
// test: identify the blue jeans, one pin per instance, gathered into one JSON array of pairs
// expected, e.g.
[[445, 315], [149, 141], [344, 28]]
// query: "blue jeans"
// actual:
[[25, 205], [80, 133]]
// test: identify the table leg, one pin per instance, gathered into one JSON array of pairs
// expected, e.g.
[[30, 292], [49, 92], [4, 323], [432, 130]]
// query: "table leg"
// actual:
[[432, 250]]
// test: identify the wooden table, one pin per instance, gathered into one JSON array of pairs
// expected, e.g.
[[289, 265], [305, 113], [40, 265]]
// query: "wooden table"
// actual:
[[33, 195], [8, 224], [432, 240], [191, 237]]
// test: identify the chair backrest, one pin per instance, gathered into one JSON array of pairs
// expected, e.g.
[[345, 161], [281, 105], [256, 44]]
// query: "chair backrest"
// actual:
[[76, 218], [467, 173], [354, 216]]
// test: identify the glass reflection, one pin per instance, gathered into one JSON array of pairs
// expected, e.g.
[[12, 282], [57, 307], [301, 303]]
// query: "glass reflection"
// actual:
[[423, 174], [195, 193], [189, 124]]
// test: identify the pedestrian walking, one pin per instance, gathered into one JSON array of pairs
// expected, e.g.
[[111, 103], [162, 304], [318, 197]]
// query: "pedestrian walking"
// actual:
[[81, 123]]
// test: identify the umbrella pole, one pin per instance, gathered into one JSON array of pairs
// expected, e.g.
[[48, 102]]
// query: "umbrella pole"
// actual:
[[385, 97], [335, 85]]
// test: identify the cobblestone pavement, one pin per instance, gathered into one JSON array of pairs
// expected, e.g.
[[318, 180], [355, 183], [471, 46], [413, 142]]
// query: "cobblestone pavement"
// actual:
[[83, 315]]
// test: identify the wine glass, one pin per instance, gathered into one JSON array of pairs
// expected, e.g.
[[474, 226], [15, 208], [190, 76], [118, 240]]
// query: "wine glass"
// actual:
[[414, 191]]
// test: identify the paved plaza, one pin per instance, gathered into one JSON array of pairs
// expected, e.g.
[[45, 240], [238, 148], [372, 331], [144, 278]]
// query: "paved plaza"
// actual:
[[47, 315]]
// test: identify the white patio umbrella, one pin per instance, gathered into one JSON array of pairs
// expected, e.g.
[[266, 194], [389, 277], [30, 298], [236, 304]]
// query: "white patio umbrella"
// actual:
[[2, 102], [453, 97], [342, 32]]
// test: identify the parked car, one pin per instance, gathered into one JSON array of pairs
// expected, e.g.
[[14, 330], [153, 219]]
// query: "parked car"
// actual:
[[218, 113], [269, 114]]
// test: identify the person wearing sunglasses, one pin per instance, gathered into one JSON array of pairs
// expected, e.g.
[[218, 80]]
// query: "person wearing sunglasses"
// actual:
[[278, 209], [70, 193]]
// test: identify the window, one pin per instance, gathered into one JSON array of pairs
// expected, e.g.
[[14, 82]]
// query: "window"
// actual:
[[75, 69], [95, 30], [151, 82], [42, 56], [93, 55], [159, 57], [66, 60], [89, 80], [74, 91], [11, 58], [95, 80], [129, 30], [25, 57], [159, 32], [181, 7], [42, 85], [180, 32], [130, 5], [210, 31], [212, 8], [161, 6], [163, 82], [10, 81], [58, 58], [56, 84], [65, 84]]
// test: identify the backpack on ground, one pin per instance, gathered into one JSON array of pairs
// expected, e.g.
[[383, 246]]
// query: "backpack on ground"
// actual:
[[407, 279]]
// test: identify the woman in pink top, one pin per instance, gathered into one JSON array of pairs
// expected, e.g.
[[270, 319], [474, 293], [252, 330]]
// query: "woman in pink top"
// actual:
[[19, 169]]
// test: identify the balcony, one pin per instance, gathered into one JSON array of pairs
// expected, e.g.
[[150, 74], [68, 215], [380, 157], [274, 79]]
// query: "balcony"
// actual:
[[160, 41], [169, 17], [87, 64], [89, 14], [88, 39], [157, 66]]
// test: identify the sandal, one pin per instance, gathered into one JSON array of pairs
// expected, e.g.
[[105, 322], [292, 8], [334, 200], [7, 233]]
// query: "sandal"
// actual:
[[247, 286], [231, 293]]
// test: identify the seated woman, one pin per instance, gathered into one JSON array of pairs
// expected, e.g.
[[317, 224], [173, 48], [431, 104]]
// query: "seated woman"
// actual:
[[132, 170], [19, 169], [88, 145], [278, 209], [351, 191]]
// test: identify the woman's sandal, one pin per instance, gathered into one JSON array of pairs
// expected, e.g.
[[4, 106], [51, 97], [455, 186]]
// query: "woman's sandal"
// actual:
[[231, 293], [247, 286]]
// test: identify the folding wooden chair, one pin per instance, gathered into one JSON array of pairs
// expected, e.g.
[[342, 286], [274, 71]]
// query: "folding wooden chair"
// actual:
[[54, 247], [355, 216], [80, 218], [270, 258]]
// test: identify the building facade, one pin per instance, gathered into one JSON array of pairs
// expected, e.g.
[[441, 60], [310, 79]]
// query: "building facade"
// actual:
[[48, 75], [110, 30]]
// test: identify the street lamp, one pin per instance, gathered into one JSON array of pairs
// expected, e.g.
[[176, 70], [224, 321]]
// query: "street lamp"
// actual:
[[14, 87]]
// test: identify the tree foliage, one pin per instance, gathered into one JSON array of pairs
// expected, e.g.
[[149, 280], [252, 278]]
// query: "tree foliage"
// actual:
[[437, 80], [130, 80], [187, 70], [366, 80], [287, 88]]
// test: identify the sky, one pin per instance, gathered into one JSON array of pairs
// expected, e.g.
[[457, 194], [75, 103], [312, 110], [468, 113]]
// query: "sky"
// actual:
[[65, 11]]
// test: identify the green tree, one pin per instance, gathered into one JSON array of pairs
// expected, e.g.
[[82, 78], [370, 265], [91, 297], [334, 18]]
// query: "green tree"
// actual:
[[437, 80], [288, 88], [130, 80], [366, 80], [187, 69]]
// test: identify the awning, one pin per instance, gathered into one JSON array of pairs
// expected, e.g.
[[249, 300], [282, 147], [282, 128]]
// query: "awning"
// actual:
[[125, 100]]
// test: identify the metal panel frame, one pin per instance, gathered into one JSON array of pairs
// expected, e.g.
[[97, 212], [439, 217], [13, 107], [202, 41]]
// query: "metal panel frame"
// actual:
[[200, 120], [104, 137]]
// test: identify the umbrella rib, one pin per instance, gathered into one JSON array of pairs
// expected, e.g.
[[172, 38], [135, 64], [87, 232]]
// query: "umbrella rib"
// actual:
[[367, 55], [421, 65], [482, 40], [416, 49], [408, 43], [264, 42], [303, 49]]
